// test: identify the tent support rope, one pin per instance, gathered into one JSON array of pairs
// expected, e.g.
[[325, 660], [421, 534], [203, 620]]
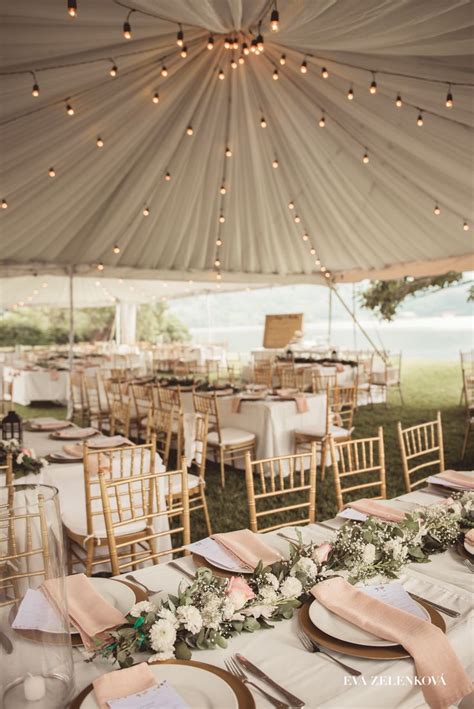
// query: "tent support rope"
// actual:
[[356, 322]]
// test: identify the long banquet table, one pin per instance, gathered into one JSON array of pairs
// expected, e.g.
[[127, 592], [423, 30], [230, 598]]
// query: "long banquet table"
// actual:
[[37, 385], [319, 682]]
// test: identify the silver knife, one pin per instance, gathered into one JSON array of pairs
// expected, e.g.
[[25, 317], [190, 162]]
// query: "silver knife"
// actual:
[[6, 643], [294, 701]]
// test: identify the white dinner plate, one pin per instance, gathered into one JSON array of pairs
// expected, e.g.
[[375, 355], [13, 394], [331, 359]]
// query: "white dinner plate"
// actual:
[[198, 688], [229, 569], [117, 594], [341, 629]]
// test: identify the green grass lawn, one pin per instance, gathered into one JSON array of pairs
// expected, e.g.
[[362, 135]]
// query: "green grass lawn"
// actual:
[[428, 387]]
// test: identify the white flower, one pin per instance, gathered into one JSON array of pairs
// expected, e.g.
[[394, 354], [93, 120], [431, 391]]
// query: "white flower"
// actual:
[[19, 458], [160, 656], [396, 548], [211, 614], [260, 610], [162, 636], [169, 616], [44, 462], [268, 594], [272, 580], [291, 588], [190, 617], [228, 609], [305, 566], [368, 555], [142, 607]]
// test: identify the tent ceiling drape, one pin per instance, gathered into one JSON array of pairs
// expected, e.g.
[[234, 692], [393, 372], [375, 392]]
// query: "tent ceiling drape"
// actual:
[[362, 220]]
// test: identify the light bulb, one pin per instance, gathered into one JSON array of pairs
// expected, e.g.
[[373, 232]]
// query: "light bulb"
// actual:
[[51, 172], [116, 249], [275, 75], [275, 164], [465, 226], [156, 98], [227, 44], [322, 122], [113, 71], [189, 130], [210, 42], [365, 159], [350, 94], [253, 45], [283, 59], [324, 73], [327, 275], [184, 52], [72, 8], [304, 68], [100, 142], [127, 30], [217, 262], [228, 153], [373, 87], [180, 38], [35, 91], [146, 212], [305, 237], [221, 75], [223, 189], [167, 177], [419, 120], [274, 21], [245, 49], [317, 262], [263, 122], [100, 266], [323, 269], [241, 59], [218, 242], [260, 45], [219, 276], [4, 204], [291, 205], [69, 110], [233, 64], [297, 219], [449, 99], [312, 251], [398, 101], [257, 52], [235, 43], [437, 210], [221, 219]]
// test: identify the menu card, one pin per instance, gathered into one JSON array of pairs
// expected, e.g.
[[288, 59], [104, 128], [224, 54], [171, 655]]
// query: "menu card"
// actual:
[[36, 613], [213, 552], [162, 695], [395, 595]]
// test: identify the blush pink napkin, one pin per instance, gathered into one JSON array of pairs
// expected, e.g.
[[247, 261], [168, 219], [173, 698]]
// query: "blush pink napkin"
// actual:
[[50, 425], [54, 375], [247, 547], [458, 478], [376, 509], [71, 433], [469, 537], [237, 400], [88, 611], [427, 644], [122, 683], [299, 398]]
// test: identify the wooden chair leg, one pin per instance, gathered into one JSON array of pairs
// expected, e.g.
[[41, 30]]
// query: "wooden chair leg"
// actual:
[[89, 556], [467, 430], [222, 469], [206, 513], [323, 460]]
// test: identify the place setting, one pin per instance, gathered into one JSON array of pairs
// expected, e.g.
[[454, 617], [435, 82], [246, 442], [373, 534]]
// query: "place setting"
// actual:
[[45, 424]]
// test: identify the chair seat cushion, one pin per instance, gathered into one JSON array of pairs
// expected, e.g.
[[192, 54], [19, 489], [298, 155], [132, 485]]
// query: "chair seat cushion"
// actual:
[[231, 437], [313, 431], [193, 482], [75, 521]]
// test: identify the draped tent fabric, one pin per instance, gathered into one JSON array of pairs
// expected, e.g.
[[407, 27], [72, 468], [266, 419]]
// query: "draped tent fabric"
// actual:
[[372, 220]]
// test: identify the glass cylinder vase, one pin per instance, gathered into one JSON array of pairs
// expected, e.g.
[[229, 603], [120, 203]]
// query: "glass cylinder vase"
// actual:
[[34, 629]]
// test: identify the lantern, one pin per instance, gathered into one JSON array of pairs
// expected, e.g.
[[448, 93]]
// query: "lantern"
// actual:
[[11, 427]]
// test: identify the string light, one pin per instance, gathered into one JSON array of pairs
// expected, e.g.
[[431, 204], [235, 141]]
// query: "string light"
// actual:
[[146, 211], [223, 189], [52, 172], [350, 94], [437, 210], [228, 153], [217, 263], [219, 242], [304, 67], [449, 98], [465, 226], [164, 71], [69, 110], [245, 49], [100, 266], [156, 98], [317, 262], [184, 52], [305, 237], [113, 70], [365, 159], [275, 20], [283, 59], [4, 204], [373, 86], [297, 219], [235, 43], [275, 163], [127, 30], [312, 251], [291, 205], [167, 177], [275, 75], [221, 75], [263, 122], [72, 8], [227, 43], [219, 276], [260, 45], [189, 130], [324, 73], [100, 142], [116, 249], [233, 64], [398, 101], [210, 42], [221, 219], [241, 59], [180, 37], [322, 121], [419, 120], [253, 45], [35, 91]]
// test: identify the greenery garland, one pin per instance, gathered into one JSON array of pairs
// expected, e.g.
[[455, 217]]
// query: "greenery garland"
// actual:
[[24, 460], [207, 613]]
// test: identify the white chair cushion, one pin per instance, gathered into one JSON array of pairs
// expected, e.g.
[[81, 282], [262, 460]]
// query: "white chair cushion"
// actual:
[[75, 520], [230, 436], [193, 482], [335, 431]]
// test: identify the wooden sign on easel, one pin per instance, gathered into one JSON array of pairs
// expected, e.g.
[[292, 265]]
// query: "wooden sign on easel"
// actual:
[[280, 329]]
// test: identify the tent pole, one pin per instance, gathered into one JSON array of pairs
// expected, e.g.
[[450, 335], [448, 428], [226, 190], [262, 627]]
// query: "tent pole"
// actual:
[[330, 317], [354, 331], [70, 405], [356, 322]]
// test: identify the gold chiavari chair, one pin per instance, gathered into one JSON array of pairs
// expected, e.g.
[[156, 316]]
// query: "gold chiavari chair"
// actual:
[[422, 449], [7, 470], [358, 464], [228, 444], [263, 373], [467, 370], [79, 404], [142, 398], [26, 560], [85, 530], [340, 406], [98, 410], [321, 380], [160, 428], [288, 376], [169, 399], [363, 376], [389, 376], [469, 413], [139, 502], [289, 481]]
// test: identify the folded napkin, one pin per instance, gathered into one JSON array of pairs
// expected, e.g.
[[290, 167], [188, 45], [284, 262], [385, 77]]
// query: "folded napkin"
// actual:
[[372, 508], [77, 433], [469, 537], [299, 398], [458, 478], [75, 450], [88, 611], [247, 547], [109, 442], [122, 683], [237, 400], [49, 424], [427, 644]]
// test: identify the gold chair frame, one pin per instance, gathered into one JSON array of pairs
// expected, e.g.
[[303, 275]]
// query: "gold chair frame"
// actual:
[[416, 442]]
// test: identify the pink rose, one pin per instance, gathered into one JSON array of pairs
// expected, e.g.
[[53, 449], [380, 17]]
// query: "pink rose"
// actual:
[[239, 592], [321, 554], [26, 451]]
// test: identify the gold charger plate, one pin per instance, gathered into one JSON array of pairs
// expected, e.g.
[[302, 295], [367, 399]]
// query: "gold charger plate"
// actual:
[[63, 461], [40, 636], [397, 652], [244, 697], [462, 551]]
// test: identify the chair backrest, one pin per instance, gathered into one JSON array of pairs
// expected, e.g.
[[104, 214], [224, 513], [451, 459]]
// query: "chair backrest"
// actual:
[[284, 486], [468, 388], [358, 464], [169, 398], [200, 443], [140, 503], [321, 380], [422, 451], [263, 373], [206, 404], [142, 399], [160, 427], [340, 405], [91, 391], [77, 391], [467, 361], [7, 470]]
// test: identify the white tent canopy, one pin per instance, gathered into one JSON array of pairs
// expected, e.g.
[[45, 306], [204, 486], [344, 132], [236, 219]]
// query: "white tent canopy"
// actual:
[[362, 219]]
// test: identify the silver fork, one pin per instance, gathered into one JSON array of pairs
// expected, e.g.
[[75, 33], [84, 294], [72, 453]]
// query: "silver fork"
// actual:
[[468, 564], [237, 671], [311, 646], [132, 578]]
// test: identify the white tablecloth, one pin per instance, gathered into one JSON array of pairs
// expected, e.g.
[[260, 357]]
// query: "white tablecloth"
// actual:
[[37, 385]]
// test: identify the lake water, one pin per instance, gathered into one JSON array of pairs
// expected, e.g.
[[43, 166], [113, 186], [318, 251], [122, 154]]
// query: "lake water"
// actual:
[[438, 338]]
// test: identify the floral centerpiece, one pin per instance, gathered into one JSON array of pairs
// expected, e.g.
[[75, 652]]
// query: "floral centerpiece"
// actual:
[[25, 461]]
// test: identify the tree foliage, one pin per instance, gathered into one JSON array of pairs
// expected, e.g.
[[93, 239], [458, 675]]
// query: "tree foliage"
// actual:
[[385, 297]]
